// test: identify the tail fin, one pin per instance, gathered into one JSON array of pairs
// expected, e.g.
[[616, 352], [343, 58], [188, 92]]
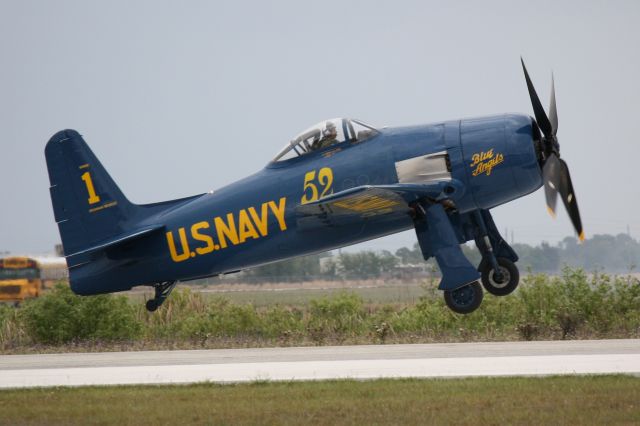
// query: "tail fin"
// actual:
[[88, 205], [99, 227]]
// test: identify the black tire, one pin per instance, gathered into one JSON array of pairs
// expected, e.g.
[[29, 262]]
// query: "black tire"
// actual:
[[464, 300], [510, 281], [151, 305]]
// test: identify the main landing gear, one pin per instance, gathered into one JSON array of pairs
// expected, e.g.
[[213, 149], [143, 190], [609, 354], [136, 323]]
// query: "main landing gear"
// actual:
[[440, 234], [464, 300], [501, 282], [467, 299], [162, 291]]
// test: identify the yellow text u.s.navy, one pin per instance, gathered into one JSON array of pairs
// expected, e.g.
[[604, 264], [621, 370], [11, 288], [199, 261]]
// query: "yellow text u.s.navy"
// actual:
[[234, 228]]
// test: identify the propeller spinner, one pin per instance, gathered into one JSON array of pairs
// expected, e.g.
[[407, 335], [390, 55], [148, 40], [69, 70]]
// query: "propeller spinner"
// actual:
[[555, 172]]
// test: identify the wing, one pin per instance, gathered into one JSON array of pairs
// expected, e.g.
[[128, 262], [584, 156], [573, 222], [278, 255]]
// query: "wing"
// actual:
[[362, 202]]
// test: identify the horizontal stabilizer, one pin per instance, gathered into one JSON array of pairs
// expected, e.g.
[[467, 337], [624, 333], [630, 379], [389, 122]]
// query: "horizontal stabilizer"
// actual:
[[112, 243]]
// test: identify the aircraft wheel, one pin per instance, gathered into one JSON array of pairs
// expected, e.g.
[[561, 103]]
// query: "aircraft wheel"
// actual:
[[151, 305], [464, 300], [508, 282]]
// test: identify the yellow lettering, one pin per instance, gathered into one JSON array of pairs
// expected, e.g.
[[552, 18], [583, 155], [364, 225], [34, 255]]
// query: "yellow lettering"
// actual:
[[172, 247], [226, 230], [250, 224], [245, 227], [487, 163], [209, 247], [481, 156], [278, 211], [262, 221], [487, 155]]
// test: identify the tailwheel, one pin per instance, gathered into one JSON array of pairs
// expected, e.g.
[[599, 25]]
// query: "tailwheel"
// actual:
[[502, 282], [162, 291], [464, 300], [151, 305]]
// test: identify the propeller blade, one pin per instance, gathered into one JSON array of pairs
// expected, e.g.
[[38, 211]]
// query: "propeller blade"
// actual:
[[569, 199], [553, 112], [555, 172], [538, 110], [551, 178]]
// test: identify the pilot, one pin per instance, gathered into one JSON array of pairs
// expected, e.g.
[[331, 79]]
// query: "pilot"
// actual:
[[329, 135]]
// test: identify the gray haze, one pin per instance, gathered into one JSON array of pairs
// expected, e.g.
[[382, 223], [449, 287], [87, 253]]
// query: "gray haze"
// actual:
[[177, 98]]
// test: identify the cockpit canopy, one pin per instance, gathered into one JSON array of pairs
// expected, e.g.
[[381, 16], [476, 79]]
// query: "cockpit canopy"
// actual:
[[324, 134]]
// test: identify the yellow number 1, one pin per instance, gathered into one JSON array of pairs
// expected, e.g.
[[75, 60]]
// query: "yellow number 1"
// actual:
[[93, 197]]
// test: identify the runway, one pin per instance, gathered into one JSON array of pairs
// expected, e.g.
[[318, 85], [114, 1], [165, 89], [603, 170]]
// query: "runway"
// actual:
[[322, 363]]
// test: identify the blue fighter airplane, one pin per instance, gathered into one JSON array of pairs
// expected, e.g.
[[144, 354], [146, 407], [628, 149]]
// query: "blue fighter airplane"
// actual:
[[338, 183]]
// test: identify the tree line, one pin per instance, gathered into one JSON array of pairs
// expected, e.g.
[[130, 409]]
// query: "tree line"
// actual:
[[609, 253]]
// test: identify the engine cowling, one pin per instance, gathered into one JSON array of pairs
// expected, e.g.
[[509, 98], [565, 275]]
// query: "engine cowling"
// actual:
[[497, 158]]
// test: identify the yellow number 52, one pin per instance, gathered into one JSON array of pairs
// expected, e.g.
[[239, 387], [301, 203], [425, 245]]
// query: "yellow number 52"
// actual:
[[324, 181]]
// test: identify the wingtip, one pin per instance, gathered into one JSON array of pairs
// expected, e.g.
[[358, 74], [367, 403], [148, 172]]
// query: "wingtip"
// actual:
[[551, 212], [581, 237]]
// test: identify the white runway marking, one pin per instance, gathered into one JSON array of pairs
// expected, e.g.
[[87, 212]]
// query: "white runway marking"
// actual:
[[355, 362]]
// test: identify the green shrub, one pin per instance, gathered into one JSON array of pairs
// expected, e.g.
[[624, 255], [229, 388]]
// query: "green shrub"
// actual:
[[6, 312], [283, 323], [235, 321], [11, 333], [59, 316], [573, 305], [339, 317], [183, 316], [537, 298]]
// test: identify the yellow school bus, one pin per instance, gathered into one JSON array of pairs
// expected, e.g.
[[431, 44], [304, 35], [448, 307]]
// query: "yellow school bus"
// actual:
[[24, 277]]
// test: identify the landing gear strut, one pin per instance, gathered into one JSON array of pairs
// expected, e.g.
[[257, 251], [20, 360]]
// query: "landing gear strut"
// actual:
[[440, 234], [162, 291], [499, 274]]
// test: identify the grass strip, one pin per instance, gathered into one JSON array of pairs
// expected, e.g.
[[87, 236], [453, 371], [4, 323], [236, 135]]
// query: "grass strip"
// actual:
[[551, 400]]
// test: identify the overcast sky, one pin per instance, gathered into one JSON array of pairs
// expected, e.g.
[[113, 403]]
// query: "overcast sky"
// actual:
[[177, 98]]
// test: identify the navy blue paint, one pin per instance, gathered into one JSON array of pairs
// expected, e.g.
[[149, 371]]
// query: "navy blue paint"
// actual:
[[145, 259]]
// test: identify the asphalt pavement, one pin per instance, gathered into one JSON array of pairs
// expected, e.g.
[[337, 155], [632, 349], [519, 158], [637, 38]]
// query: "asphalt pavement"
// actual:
[[322, 363]]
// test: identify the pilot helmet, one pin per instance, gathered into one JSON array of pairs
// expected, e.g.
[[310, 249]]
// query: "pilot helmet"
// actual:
[[330, 129]]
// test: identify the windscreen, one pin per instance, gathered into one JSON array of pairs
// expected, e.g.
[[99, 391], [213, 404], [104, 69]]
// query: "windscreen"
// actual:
[[325, 134]]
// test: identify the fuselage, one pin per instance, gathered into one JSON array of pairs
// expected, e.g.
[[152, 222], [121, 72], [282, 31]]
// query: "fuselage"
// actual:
[[253, 221]]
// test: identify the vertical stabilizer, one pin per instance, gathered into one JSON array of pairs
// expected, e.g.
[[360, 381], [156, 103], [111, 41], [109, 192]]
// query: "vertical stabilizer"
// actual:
[[88, 205]]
